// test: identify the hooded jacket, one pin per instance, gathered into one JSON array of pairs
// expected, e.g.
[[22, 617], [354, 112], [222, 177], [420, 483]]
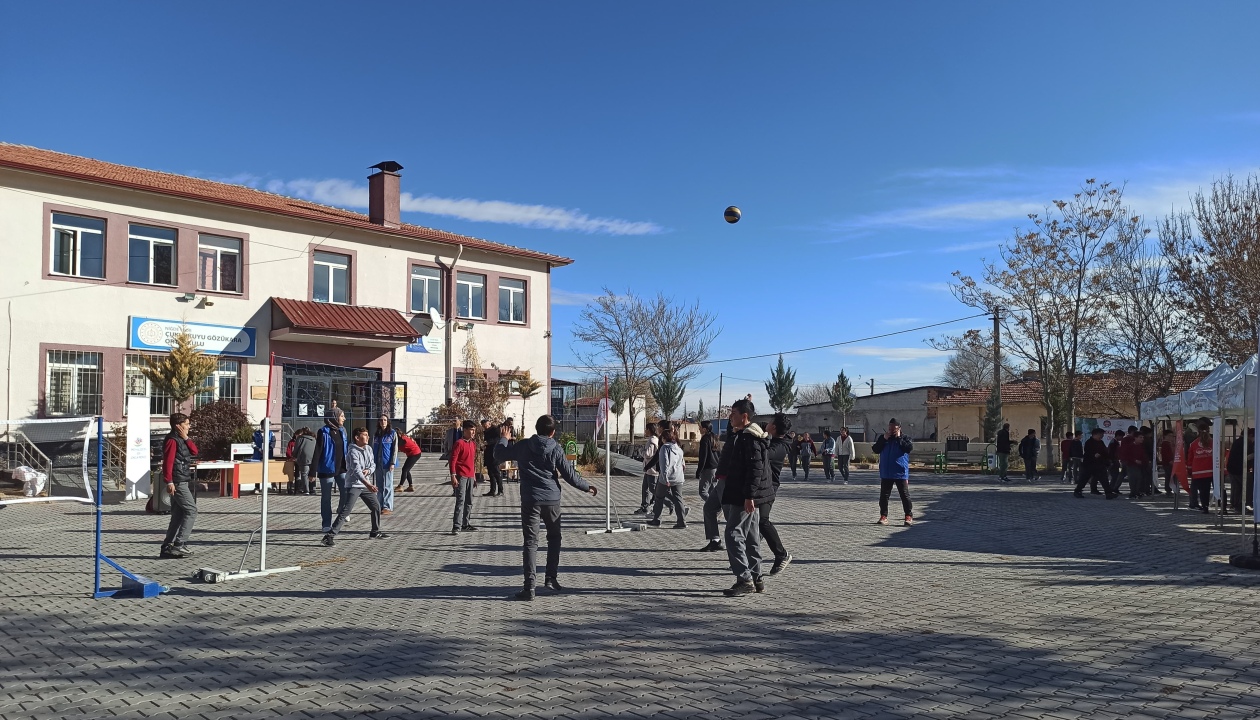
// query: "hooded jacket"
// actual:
[[743, 466], [385, 447], [331, 444], [360, 466], [1003, 442], [670, 464], [303, 450], [540, 459], [894, 457], [1030, 446]]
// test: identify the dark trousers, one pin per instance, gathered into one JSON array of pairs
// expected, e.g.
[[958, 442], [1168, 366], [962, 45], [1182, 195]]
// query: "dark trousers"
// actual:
[[712, 508], [1133, 475], [844, 467], [347, 504], [792, 462], [885, 490], [463, 503], [806, 462], [1091, 474], [495, 475], [183, 515], [1030, 467], [649, 490], [550, 516], [298, 484], [769, 532], [1201, 494], [406, 470], [1167, 471], [672, 495], [829, 469]]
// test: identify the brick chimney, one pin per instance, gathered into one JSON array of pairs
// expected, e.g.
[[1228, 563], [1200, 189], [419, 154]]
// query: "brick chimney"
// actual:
[[383, 194]]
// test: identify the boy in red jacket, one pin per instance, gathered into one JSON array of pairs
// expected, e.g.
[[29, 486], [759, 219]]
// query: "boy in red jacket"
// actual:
[[463, 476]]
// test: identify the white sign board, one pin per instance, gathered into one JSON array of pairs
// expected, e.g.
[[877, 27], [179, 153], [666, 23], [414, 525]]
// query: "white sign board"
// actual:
[[156, 334], [137, 448]]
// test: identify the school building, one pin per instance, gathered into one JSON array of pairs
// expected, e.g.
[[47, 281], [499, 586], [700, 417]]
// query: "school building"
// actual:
[[106, 262]]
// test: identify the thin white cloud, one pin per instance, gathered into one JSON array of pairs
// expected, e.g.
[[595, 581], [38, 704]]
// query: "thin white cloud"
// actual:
[[951, 215], [567, 297], [968, 247], [895, 322], [893, 354], [344, 193], [876, 256]]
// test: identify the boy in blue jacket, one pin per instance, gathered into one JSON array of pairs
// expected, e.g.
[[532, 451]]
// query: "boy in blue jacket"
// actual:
[[894, 469]]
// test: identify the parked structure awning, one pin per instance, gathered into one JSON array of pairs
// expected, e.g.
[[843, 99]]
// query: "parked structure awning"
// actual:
[[305, 321]]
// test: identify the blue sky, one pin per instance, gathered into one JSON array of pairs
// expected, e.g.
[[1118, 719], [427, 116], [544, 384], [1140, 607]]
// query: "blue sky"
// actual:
[[874, 148]]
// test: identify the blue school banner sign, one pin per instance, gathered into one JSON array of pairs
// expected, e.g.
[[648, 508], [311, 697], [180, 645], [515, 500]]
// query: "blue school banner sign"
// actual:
[[155, 334]]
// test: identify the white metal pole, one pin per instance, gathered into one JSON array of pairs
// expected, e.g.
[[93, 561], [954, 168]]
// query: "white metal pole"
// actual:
[[1255, 516], [266, 459]]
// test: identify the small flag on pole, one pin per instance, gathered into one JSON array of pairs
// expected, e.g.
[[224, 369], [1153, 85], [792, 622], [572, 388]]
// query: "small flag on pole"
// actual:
[[601, 416]]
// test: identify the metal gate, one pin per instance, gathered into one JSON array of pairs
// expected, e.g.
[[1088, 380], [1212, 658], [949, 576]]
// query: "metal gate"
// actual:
[[382, 397]]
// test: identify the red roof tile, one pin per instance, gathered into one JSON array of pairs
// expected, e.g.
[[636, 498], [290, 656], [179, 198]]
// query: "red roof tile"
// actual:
[[48, 162], [1101, 390], [348, 319]]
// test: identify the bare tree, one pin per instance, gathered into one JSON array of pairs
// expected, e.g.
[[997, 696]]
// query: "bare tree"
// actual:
[[1045, 287], [676, 339], [813, 394], [1149, 338], [609, 326], [970, 365], [1213, 253]]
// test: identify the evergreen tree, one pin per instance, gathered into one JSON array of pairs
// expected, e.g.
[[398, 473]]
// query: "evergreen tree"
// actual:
[[700, 412], [668, 392], [841, 396], [781, 387], [182, 372]]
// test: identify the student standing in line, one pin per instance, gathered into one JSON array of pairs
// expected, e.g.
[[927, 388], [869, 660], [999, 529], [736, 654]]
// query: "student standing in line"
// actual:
[[1094, 460], [829, 456], [178, 455], [1201, 464], [490, 433], [1114, 452], [1166, 459], [808, 451], [669, 480], [463, 466], [844, 453], [743, 467], [385, 446], [360, 471], [329, 464], [411, 449], [541, 462], [1029, 449], [894, 449], [302, 455], [650, 446], [776, 452], [1065, 454], [1003, 451], [794, 452]]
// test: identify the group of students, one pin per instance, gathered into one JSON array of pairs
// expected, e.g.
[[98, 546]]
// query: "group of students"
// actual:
[[837, 452]]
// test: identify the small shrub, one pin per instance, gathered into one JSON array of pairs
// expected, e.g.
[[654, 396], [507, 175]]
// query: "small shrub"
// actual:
[[565, 438], [216, 426], [590, 454]]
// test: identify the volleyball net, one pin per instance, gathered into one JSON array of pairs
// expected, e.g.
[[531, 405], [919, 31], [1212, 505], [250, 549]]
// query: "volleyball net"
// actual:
[[47, 460]]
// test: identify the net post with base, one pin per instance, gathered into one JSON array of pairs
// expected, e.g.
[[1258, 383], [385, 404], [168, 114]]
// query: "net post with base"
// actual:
[[602, 416], [211, 575], [1251, 561], [133, 585]]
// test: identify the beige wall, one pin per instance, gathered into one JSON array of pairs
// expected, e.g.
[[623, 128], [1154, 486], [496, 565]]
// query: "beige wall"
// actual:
[[969, 420], [91, 315]]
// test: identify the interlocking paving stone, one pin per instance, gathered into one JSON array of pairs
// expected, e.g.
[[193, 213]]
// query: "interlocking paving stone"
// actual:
[[1016, 601]]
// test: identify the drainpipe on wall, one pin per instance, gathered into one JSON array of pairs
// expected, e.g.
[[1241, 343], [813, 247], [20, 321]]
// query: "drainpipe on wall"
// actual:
[[449, 384]]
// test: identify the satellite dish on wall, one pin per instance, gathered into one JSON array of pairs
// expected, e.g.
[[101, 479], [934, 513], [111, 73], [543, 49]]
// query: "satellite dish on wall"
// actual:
[[436, 318]]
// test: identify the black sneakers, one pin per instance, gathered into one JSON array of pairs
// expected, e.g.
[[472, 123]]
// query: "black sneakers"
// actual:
[[779, 564], [526, 594], [554, 585], [172, 553], [713, 546], [654, 522], [759, 584], [378, 535], [741, 587], [327, 541], [468, 528]]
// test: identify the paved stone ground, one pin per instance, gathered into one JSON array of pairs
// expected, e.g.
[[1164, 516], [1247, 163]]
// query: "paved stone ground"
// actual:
[[1012, 602]]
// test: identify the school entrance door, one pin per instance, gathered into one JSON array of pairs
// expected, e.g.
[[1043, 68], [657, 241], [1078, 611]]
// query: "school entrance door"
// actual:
[[311, 390]]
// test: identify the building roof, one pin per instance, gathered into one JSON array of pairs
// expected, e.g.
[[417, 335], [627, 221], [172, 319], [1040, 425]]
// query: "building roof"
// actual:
[[48, 162], [382, 323], [1103, 390], [862, 396]]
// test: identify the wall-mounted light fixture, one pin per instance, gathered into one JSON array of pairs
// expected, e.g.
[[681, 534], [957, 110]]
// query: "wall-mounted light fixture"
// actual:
[[187, 297]]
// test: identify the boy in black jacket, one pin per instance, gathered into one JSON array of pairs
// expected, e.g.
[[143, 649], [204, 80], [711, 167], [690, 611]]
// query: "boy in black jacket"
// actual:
[[747, 483], [710, 486]]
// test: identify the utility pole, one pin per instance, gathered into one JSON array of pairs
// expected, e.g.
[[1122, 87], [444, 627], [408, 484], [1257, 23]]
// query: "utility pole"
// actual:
[[997, 358], [872, 386], [721, 378]]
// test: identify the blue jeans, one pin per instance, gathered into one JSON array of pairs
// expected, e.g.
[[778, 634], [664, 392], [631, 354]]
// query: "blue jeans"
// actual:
[[326, 485], [385, 487]]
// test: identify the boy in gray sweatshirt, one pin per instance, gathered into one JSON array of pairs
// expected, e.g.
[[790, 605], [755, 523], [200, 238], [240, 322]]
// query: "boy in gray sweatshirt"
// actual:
[[360, 471]]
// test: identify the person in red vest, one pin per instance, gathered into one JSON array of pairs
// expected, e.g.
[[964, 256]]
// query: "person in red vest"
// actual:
[[411, 449], [1201, 468]]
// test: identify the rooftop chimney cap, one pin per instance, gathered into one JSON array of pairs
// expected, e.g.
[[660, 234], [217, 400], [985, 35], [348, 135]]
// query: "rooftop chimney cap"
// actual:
[[388, 166]]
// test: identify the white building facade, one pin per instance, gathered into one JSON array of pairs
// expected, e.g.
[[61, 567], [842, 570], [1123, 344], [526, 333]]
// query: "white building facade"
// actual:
[[105, 262]]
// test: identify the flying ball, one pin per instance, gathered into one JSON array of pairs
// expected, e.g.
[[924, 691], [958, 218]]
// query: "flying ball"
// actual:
[[732, 214]]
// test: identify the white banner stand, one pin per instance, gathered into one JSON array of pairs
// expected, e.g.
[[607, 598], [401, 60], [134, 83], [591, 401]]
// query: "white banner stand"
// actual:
[[602, 419], [138, 460]]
